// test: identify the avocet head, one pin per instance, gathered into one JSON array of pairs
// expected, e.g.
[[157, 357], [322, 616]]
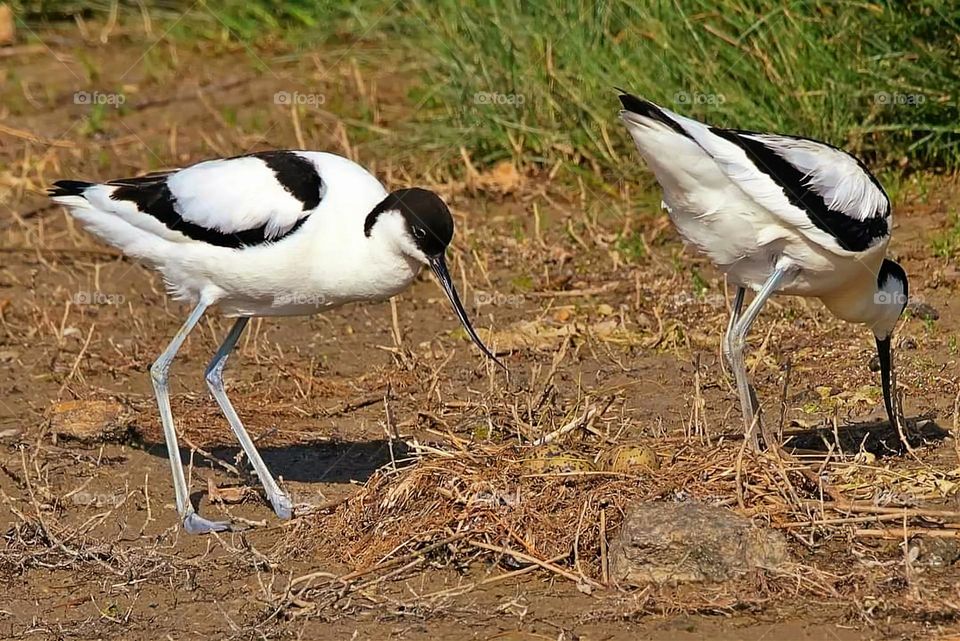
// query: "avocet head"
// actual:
[[890, 300], [421, 227]]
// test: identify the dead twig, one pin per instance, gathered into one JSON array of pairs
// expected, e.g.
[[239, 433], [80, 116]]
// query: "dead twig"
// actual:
[[582, 421], [898, 535]]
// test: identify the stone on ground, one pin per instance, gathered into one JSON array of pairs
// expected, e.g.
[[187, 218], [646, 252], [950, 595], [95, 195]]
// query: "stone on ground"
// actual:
[[671, 543]]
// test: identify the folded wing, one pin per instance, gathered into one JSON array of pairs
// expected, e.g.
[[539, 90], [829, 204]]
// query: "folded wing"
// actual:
[[233, 202], [822, 191]]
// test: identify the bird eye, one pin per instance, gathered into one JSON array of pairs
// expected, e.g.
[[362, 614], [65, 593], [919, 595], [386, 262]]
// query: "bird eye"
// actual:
[[419, 232]]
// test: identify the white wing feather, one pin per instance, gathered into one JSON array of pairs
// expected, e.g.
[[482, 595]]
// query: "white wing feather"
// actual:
[[233, 195], [833, 174], [228, 196]]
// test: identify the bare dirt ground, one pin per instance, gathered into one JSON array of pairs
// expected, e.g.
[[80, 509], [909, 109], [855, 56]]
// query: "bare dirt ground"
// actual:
[[598, 312]]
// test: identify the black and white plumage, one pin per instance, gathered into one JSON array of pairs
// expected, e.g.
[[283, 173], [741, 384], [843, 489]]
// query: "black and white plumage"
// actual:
[[270, 194], [777, 214], [265, 234]]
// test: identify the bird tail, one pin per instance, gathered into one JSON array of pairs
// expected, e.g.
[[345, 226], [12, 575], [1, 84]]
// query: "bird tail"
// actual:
[[639, 111], [108, 225], [63, 188], [641, 106]]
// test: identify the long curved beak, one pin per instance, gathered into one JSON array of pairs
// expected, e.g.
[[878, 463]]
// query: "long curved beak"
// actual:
[[883, 352], [439, 267]]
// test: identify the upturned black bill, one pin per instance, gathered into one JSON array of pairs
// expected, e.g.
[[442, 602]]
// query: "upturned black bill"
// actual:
[[439, 266], [883, 352]]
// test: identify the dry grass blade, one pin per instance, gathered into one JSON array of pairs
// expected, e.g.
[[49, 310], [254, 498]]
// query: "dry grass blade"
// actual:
[[581, 421], [530, 559]]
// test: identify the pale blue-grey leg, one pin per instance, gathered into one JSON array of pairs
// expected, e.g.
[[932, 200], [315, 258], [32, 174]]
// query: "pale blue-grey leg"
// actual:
[[728, 337], [193, 523], [734, 316], [278, 499], [735, 344]]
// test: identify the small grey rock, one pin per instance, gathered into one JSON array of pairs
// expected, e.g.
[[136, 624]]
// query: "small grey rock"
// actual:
[[938, 552], [670, 543]]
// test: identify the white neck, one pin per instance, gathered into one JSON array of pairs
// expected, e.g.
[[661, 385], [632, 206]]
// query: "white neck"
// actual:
[[863, 302], [385, 260]]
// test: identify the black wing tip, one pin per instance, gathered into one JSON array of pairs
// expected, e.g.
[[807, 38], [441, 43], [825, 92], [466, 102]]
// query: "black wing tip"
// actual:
[[641, 106], [647, 109], [68, 188]]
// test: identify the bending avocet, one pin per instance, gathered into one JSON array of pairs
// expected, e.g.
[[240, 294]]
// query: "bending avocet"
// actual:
[[275, 233], [777, 214]]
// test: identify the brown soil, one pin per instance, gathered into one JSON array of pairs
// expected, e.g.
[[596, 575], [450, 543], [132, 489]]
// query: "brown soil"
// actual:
[[91, 547]]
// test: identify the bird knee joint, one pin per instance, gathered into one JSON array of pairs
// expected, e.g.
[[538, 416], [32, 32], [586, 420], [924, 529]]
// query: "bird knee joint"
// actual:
[[158, 372], [214, 376], [733, 345]]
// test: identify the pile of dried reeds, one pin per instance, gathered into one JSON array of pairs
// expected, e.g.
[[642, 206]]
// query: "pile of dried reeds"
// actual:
[[533, 507]]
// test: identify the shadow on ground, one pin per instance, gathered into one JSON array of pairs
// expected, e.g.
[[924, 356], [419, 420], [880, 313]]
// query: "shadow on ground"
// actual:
[[879, 438], [333, 462]]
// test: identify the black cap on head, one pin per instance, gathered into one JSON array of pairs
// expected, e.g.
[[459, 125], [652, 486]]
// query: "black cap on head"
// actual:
[[428, 219], [890, 269], [430, 225]]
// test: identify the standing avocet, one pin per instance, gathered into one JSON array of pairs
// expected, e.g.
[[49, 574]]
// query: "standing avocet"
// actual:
[[777, 214], [276, 233]]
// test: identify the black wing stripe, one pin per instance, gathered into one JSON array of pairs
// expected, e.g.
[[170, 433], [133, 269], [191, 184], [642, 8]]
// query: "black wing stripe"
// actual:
[[154, 198], [297, 175], [851, 234], [863, 167]]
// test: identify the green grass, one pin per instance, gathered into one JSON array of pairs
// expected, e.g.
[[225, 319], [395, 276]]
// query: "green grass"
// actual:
[[632, 246], [535, 80], [946, 244], [879, 79]]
